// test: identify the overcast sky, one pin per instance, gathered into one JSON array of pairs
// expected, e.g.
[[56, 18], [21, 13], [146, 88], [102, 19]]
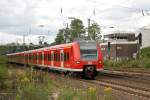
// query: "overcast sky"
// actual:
[[23, 17]]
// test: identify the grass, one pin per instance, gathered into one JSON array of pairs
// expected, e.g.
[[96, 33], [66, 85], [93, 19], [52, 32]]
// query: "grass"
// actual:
[[4, 76]]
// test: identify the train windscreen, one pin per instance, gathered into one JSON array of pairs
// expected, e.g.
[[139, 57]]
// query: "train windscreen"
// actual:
[[88, 51]]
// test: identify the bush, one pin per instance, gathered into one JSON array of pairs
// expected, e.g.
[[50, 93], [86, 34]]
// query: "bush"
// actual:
[[134, 63], [145, 53], [34, 85], [32, 92], [67, 94], [145, 63]]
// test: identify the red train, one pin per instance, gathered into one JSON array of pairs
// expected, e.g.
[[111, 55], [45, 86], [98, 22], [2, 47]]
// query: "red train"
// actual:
[[84, 57]]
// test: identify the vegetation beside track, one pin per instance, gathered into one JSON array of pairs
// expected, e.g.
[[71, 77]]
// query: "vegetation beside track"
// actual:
[[31, 84], [143, 62]]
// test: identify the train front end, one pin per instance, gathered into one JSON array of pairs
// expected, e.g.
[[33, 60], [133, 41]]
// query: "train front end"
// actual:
[[89, 58]]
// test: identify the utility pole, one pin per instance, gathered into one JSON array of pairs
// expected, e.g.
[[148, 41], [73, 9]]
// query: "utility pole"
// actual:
[[89, 22], [24, 39], [67, 39], [41, 39]]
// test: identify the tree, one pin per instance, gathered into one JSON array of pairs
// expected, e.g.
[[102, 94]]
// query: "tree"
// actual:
[[77, 28], [94, 31], [60, 37]]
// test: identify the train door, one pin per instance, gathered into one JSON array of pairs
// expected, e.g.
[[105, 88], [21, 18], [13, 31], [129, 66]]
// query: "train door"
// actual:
[[57, 59], [52, 58], [35, 57], [49, 59], [42, 57], [62, 59], [67, 58], [45, 57]]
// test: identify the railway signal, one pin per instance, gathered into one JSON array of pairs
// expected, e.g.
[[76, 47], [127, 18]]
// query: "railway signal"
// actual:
[[108, 49]]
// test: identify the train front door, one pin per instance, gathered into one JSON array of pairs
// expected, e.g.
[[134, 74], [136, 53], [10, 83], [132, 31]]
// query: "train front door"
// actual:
[[62, 59]]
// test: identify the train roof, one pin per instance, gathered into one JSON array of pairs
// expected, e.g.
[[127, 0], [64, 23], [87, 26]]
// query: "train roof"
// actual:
[[45, 48], [60, 46]]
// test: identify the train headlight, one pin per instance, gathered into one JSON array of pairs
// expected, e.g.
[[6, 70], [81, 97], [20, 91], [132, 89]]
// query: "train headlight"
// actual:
[[100, 62], [78, 62]]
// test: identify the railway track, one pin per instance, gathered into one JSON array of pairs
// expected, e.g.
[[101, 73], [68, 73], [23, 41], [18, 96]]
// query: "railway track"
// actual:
[[136, 77], [127, 73], [137, 91], [133, 83]]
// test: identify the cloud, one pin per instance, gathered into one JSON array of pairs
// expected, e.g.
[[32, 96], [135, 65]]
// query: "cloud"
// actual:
[[20, 17]]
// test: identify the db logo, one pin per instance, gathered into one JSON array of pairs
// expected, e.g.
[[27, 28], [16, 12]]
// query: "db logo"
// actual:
[[89, 63]]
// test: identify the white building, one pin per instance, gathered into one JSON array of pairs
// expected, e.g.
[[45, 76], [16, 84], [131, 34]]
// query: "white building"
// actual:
[[145, 37]]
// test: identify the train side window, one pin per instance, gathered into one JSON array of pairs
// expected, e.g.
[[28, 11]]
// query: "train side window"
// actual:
[[62, 57], [45, 57], [29, 56], [58, 57], [40, 56], [35, 57], [66, 56], [52, 57], [49, 57], [55, 57], [32, 57]]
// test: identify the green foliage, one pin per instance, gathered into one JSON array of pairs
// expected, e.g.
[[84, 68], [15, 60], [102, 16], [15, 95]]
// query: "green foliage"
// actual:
[[32, 92], [77, 28], [94, 31], [142, 62], [3, 76], [3, 59], [67, 94], [60, 37], [3, 49], [34, 85], [145, 53], [145, 63]]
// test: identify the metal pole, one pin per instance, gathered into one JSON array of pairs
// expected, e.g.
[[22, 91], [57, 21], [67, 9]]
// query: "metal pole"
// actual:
[[116, 47], [88, 28]]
